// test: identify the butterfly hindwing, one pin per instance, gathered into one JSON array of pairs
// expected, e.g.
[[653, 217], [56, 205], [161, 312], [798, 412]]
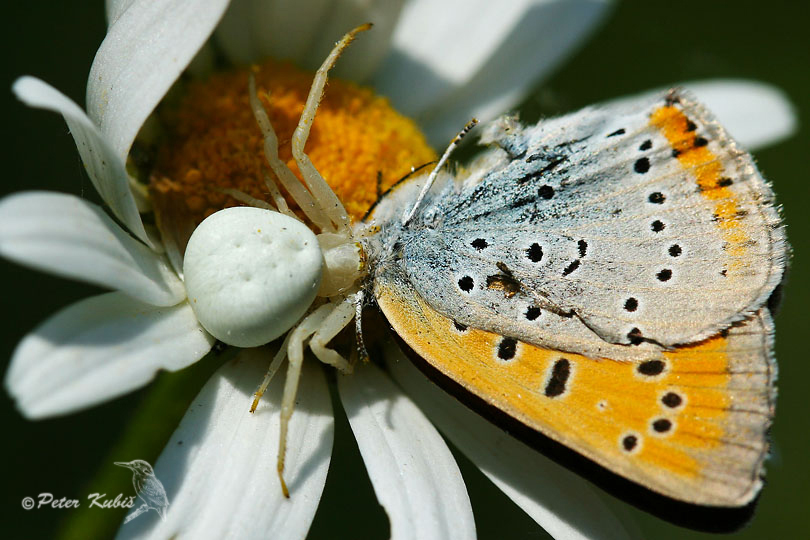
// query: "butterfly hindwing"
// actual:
[[694, 429]]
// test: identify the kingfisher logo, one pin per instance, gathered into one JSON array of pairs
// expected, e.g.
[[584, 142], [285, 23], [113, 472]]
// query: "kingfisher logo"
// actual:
[[149, 495], [148, 489]]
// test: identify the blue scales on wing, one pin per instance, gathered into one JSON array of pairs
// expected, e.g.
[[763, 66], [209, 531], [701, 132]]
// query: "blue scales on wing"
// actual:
[[637, 225]]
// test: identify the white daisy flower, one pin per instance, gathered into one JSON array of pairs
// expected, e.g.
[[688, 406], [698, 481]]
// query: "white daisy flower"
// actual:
[[438, 63]]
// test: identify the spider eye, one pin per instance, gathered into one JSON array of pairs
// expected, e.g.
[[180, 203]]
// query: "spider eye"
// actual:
[[250, 274]]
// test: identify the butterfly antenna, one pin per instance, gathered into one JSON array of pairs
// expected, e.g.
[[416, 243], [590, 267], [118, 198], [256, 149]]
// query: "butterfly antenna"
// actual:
[[435, 172], [358, 326]]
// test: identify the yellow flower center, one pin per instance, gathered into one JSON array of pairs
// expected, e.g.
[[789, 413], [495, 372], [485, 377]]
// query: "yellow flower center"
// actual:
[[213, 141]]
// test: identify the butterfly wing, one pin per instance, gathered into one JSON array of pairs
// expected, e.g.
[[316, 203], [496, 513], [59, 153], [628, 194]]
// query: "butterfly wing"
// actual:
[[645, 223], [694, 429]]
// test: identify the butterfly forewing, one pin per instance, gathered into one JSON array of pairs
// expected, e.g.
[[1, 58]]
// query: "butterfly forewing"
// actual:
[[646, 224]]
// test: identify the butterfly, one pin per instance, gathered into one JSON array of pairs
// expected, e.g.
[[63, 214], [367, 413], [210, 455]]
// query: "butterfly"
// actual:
[[605, 278]]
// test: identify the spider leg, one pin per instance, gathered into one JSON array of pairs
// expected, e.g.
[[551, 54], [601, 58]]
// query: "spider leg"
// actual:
[[243, 197], [317, 185], [295, 351], [286, 177], [278, 198], [271, 371], [338, 319]]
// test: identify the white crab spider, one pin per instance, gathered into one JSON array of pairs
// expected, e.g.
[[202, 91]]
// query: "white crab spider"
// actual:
[[317, 291], [251, 274], [231, 256]]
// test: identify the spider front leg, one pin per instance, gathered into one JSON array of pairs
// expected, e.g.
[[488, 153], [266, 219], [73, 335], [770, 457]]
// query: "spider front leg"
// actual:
[[341, 316], [320, 190], [286, 177]]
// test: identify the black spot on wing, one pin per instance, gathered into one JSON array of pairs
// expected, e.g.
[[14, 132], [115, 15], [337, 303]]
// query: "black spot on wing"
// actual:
[[672, 400], [651, 368], [631, 304], [571, 267], [641, 165], [656, 197], [466, 283], [664, 275], [629, 442], [507, 348], [662, 425], [582, 246], [559, 378], [545, 192], [724, 182], [535, 253], [479, 244]]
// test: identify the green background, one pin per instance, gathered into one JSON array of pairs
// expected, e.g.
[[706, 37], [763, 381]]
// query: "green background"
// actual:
[[642, 45]]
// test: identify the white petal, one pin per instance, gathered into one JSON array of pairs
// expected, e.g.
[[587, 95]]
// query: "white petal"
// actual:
[[219, 468], [105, 168], [146, 48], [754, 113], [115, 8], [364, 56], [413, 472], [457, 59], [98, 349], [252, 30], [70, 237], [561, 502]]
